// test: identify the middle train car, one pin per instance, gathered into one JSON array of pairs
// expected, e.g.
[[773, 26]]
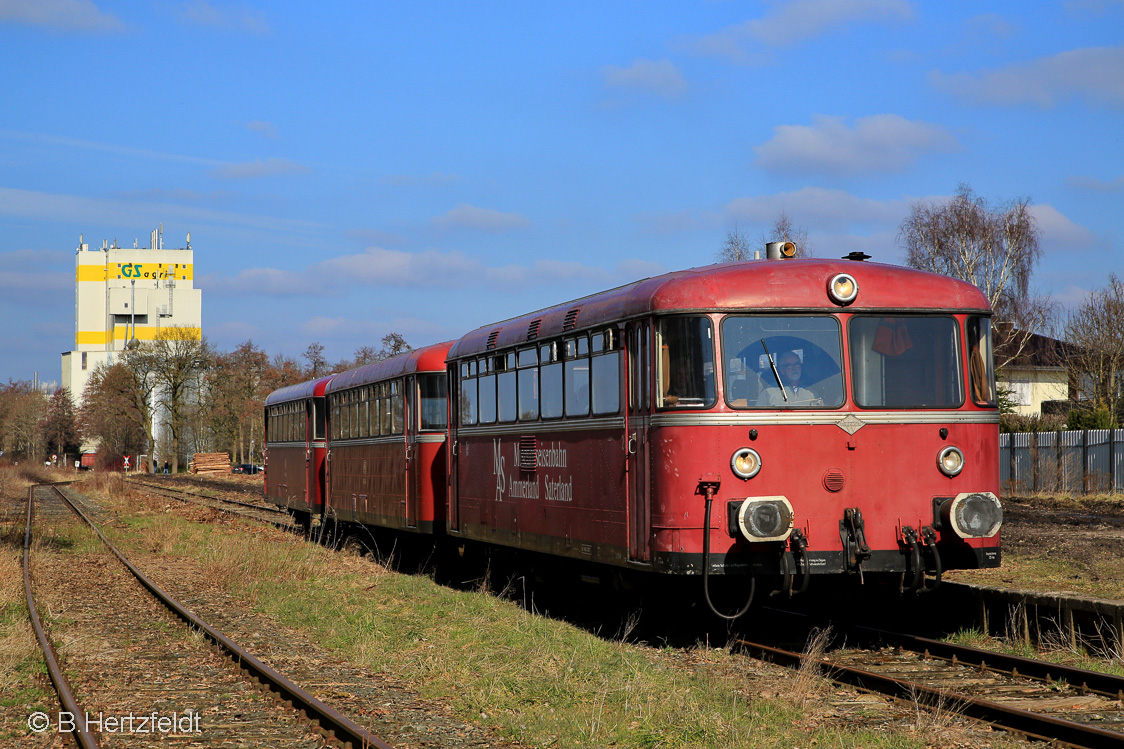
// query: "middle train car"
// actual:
[[836, 416], [386, 443]]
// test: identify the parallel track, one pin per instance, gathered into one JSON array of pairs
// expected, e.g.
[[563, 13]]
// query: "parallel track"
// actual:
[[978, 684], [335, 726]]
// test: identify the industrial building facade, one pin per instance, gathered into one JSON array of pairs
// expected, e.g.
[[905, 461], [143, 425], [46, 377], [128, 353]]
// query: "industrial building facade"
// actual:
[[125, 294]]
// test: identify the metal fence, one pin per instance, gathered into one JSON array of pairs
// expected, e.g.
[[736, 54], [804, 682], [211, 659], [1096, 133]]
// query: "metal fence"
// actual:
[[1073, 462]]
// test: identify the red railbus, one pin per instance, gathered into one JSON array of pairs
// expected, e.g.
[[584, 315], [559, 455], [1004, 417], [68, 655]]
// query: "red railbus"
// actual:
[[296, 448], [386, 443], [783, 418]]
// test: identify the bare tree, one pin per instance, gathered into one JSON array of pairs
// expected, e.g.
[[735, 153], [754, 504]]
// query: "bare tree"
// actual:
[[393, 344], [60, 428], [736, 247], [994, 247], [21, 413], [317, 364], [109, 413], [181, 357], [786, 231], [1095, 330], [364, 355]]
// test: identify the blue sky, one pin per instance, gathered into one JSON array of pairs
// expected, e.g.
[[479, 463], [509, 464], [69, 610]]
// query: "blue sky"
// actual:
[[351, 169]]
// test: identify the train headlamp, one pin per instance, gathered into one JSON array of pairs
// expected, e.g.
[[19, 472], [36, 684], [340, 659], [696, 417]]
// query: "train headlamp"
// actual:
[[843, 288], [972, 514], [745, 463], [765, 518], [950, 460]]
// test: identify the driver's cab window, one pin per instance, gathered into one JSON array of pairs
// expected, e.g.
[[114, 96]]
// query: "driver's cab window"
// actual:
[[685, 363], [782, 362]]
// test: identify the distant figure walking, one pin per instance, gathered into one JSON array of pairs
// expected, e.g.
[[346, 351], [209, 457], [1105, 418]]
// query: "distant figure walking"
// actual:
[[167, 467]]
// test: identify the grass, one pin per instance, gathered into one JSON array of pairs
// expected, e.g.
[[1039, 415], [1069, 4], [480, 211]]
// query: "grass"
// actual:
[[526, 676]]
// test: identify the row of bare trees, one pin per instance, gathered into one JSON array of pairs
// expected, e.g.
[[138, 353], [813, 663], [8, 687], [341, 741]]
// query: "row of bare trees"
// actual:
[[167, 398]]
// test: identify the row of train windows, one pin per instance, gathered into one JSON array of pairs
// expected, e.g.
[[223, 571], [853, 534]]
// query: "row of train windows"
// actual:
[[577, 376], [287, 422], [370, 411]]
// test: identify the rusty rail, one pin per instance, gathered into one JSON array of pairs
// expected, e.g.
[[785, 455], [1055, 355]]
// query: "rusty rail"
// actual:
[[338, 725], [1030, 724], [84, 738]]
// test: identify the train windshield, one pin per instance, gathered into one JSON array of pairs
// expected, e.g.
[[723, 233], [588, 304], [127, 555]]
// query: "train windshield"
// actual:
[[782, 362], [906, 362]]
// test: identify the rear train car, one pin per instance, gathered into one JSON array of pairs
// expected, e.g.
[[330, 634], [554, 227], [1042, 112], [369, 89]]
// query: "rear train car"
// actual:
[[785, 418], [296, 449], [386, 443]]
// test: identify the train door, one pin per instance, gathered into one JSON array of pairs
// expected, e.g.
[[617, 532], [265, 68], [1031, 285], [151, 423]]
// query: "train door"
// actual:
[[413, 487], [452, 513], [639, 399], [309, 462]]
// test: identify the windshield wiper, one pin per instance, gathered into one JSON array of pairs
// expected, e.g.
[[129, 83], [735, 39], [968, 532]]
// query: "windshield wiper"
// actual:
[[776, 374]]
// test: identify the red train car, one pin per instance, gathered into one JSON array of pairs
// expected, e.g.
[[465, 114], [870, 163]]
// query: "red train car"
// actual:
[[296, 448], [787, 418], [386, 443]]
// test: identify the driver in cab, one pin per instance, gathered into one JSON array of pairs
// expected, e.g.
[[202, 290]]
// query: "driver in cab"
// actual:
[[791, 370]]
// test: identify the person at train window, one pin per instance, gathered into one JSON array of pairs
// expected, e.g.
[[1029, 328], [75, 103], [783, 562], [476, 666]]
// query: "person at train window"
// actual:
[[791, 369]]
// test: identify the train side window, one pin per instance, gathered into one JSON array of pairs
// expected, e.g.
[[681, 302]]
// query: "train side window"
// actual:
[[981, 361], [605, 372], [353, 396], [364, 415], [469, 399], [507, 400], [685, 363], [385, 417], [487, 399], [550, 380], [352, 415], [528, 384], [577, 376], [335, 416], [398, 406]]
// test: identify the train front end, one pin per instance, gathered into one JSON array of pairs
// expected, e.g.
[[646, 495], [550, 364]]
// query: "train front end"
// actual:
[[831, 418]]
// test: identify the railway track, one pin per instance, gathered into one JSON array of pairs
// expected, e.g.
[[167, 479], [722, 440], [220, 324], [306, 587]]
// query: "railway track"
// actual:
[[1036, 699], [254, 511], [141, 676]]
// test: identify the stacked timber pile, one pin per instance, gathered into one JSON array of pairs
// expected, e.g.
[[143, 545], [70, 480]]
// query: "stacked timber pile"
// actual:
[[209, 463]]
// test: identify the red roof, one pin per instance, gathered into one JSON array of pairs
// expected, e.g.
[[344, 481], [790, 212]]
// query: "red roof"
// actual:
[[756, 285], [425, 359]]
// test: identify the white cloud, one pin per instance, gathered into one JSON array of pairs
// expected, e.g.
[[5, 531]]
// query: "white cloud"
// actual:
[[875, 144], [268, 129], [1058, 230], [659, 77], [791, 22], [465, 216], [1096, 185], [377, 267], [60, 15], [1094, 73], [271, 167], [226, 18], [436, 179], [74, 209], [818, 209]]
